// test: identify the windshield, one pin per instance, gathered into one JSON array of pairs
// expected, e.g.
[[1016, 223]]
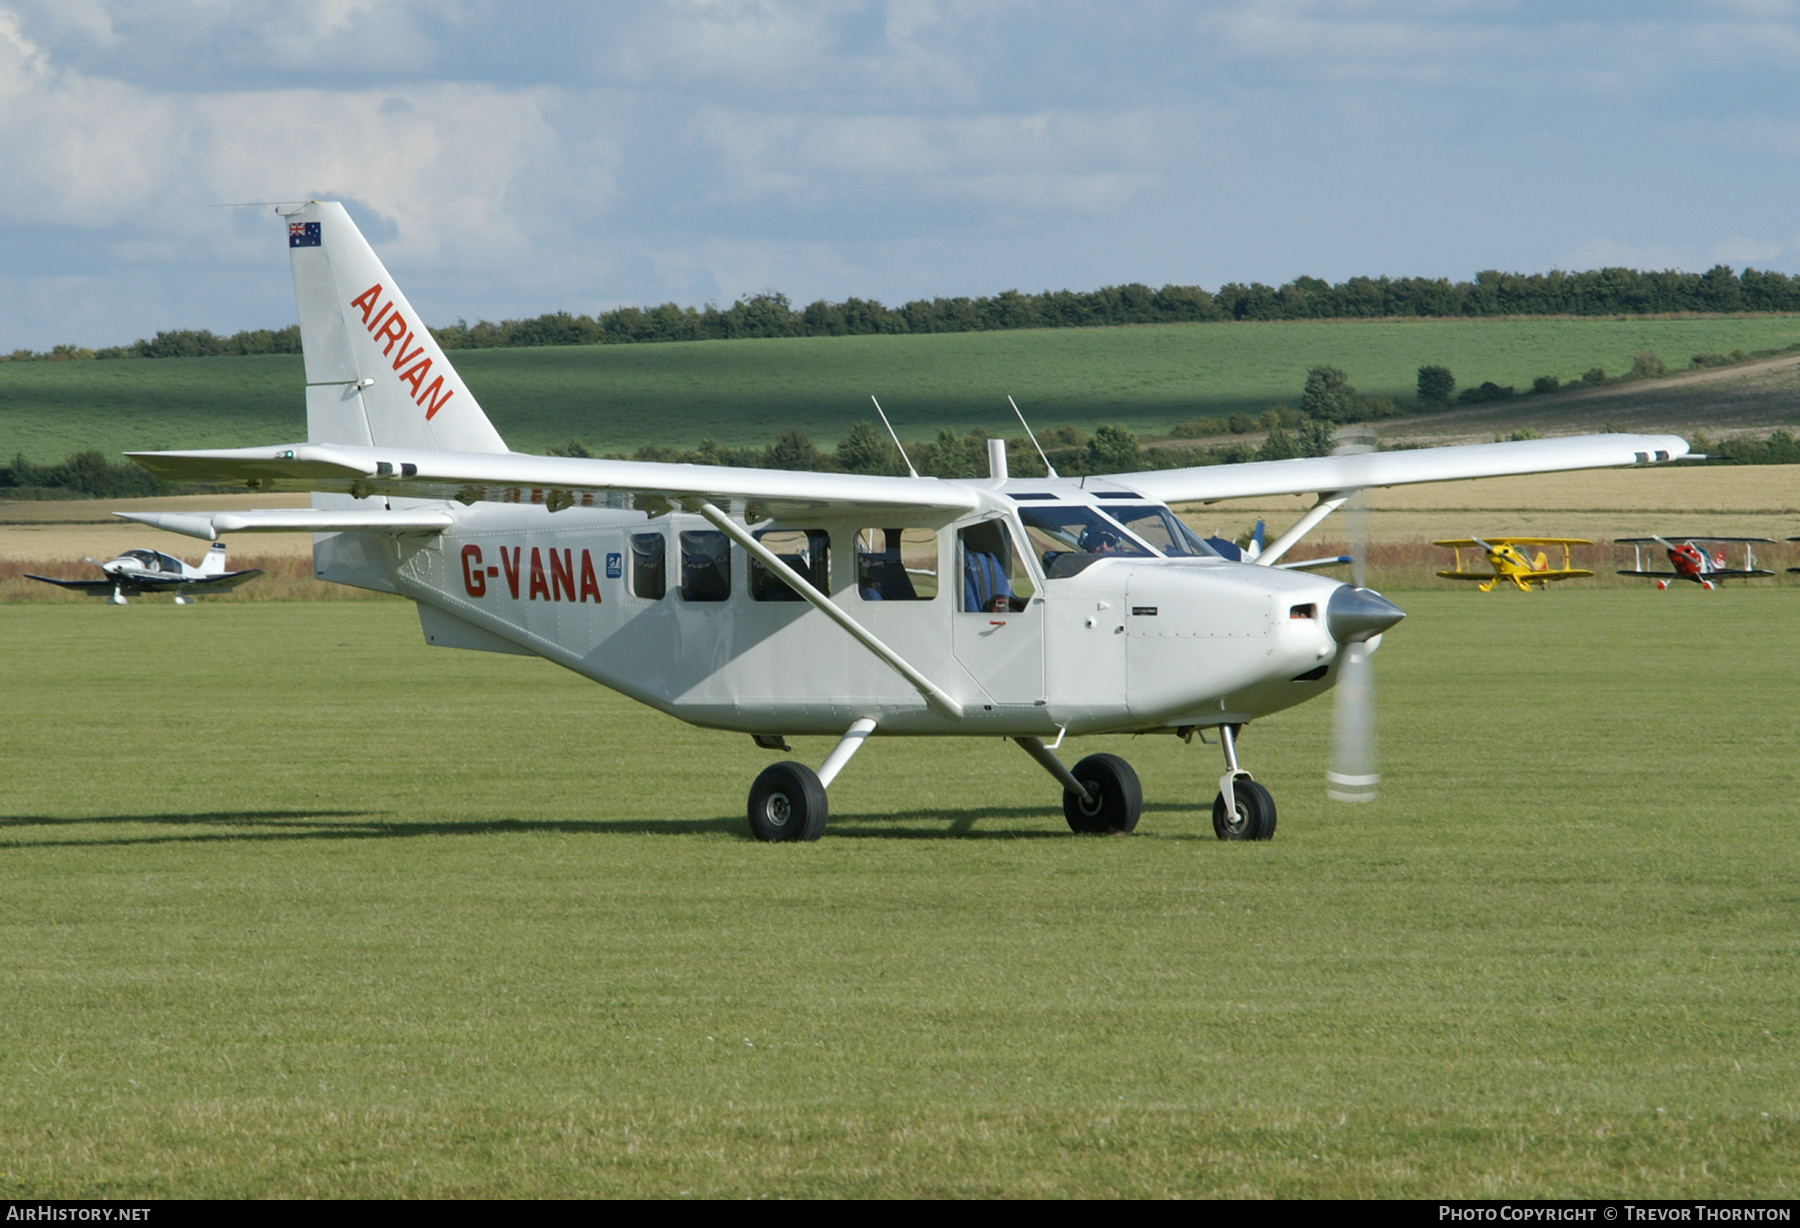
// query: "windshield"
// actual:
[[1157, 525], [1068, 528]]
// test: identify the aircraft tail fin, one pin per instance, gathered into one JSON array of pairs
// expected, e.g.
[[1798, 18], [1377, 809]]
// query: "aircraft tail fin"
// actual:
[[213, 564], [375, 377], [1255, 546]]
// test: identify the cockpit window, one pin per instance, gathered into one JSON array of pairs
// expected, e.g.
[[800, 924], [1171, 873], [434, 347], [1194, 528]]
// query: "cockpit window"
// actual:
[[1073, 529], [1160, 527], [168, 564], [145, 557]]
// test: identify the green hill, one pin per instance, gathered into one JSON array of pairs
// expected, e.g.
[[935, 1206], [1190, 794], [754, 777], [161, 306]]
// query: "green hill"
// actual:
[[617, 398]]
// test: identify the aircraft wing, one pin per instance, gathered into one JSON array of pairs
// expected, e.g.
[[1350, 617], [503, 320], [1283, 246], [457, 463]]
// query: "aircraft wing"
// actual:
[[1693, 537], [1467, 575], [559, 481], [1515, 541], [91, 587], [1654, 575], [1314, 475]]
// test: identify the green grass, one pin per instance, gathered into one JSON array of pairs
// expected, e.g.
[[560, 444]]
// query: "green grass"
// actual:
[[747, 392], [291, 904]]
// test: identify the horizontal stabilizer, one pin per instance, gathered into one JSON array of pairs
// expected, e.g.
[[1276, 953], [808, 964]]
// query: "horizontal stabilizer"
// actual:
[[208, 525], [253, 467]]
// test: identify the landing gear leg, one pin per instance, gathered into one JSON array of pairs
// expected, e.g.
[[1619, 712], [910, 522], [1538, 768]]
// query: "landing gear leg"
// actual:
[[1101, 794], [1243, 810], [788, 803]]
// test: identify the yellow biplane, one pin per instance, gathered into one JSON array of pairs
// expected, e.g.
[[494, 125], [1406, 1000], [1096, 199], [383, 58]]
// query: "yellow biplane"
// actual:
[[1511, 563]]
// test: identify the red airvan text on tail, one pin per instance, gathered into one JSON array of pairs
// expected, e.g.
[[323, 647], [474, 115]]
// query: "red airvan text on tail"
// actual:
[[383, 321]]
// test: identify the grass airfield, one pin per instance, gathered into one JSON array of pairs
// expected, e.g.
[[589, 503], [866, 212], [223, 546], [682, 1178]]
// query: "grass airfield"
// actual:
[[292, 905]]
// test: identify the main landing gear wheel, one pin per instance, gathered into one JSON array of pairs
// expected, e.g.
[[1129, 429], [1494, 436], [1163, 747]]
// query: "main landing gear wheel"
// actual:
[[1114, 802], [1255, 817], [787, 802]]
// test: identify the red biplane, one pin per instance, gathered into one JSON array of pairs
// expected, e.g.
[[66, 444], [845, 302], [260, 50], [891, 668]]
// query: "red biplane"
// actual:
[[1693, 563]]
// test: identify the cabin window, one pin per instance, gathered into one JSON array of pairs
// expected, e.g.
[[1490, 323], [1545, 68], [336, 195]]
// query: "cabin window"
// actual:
[[649, 566], [897, 564], [1057, 533], [994, 579], [1158, 526], [807, 551], [705, 565]]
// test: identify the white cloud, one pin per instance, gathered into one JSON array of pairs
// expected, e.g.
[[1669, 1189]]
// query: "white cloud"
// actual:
[[1048, 160], [444, 162]]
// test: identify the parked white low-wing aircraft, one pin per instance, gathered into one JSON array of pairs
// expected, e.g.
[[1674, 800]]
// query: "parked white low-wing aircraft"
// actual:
[[778, 603], [137, 572]]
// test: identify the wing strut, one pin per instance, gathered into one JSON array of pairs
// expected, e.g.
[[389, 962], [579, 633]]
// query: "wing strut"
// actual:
[[940, 702], [1328, 503]]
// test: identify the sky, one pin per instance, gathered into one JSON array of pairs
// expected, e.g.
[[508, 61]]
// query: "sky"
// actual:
[[512, 159]]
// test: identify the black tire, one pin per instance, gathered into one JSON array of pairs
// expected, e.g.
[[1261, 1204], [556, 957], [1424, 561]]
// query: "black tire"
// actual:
[[787, 802], [1117, 802], [1255, 817]]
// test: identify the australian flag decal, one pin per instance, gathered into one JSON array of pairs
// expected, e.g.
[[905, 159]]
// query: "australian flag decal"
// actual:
[[303, 234]]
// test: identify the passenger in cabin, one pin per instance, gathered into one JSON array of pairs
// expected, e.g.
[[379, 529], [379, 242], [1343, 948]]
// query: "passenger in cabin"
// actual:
[[987, 555], [883, 574]]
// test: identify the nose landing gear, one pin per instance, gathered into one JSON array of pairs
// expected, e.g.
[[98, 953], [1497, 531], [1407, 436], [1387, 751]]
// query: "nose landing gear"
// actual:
[[1243, 810]]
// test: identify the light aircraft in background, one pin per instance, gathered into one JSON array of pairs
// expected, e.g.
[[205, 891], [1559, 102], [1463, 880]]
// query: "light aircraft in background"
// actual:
[[777, 603], [1251, 550], [137, 572], [1511, 563], [1693, 563], [1794, 571]]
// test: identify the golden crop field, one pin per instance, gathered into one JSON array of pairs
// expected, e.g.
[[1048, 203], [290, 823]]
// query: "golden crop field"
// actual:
[[1740, 500]]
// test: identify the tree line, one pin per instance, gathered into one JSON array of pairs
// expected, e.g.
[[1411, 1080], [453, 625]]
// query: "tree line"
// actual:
[[1599, 292]]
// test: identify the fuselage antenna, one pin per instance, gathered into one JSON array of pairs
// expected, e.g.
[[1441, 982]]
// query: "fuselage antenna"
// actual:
[[894, 437], [1033, 436]]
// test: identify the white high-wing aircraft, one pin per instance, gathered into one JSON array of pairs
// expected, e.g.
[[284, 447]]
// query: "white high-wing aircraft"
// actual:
[[777, 603], [137, 572]]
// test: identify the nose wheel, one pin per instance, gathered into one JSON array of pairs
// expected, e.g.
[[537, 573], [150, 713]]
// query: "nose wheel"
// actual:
[[1250, 815], [1243, 810]]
